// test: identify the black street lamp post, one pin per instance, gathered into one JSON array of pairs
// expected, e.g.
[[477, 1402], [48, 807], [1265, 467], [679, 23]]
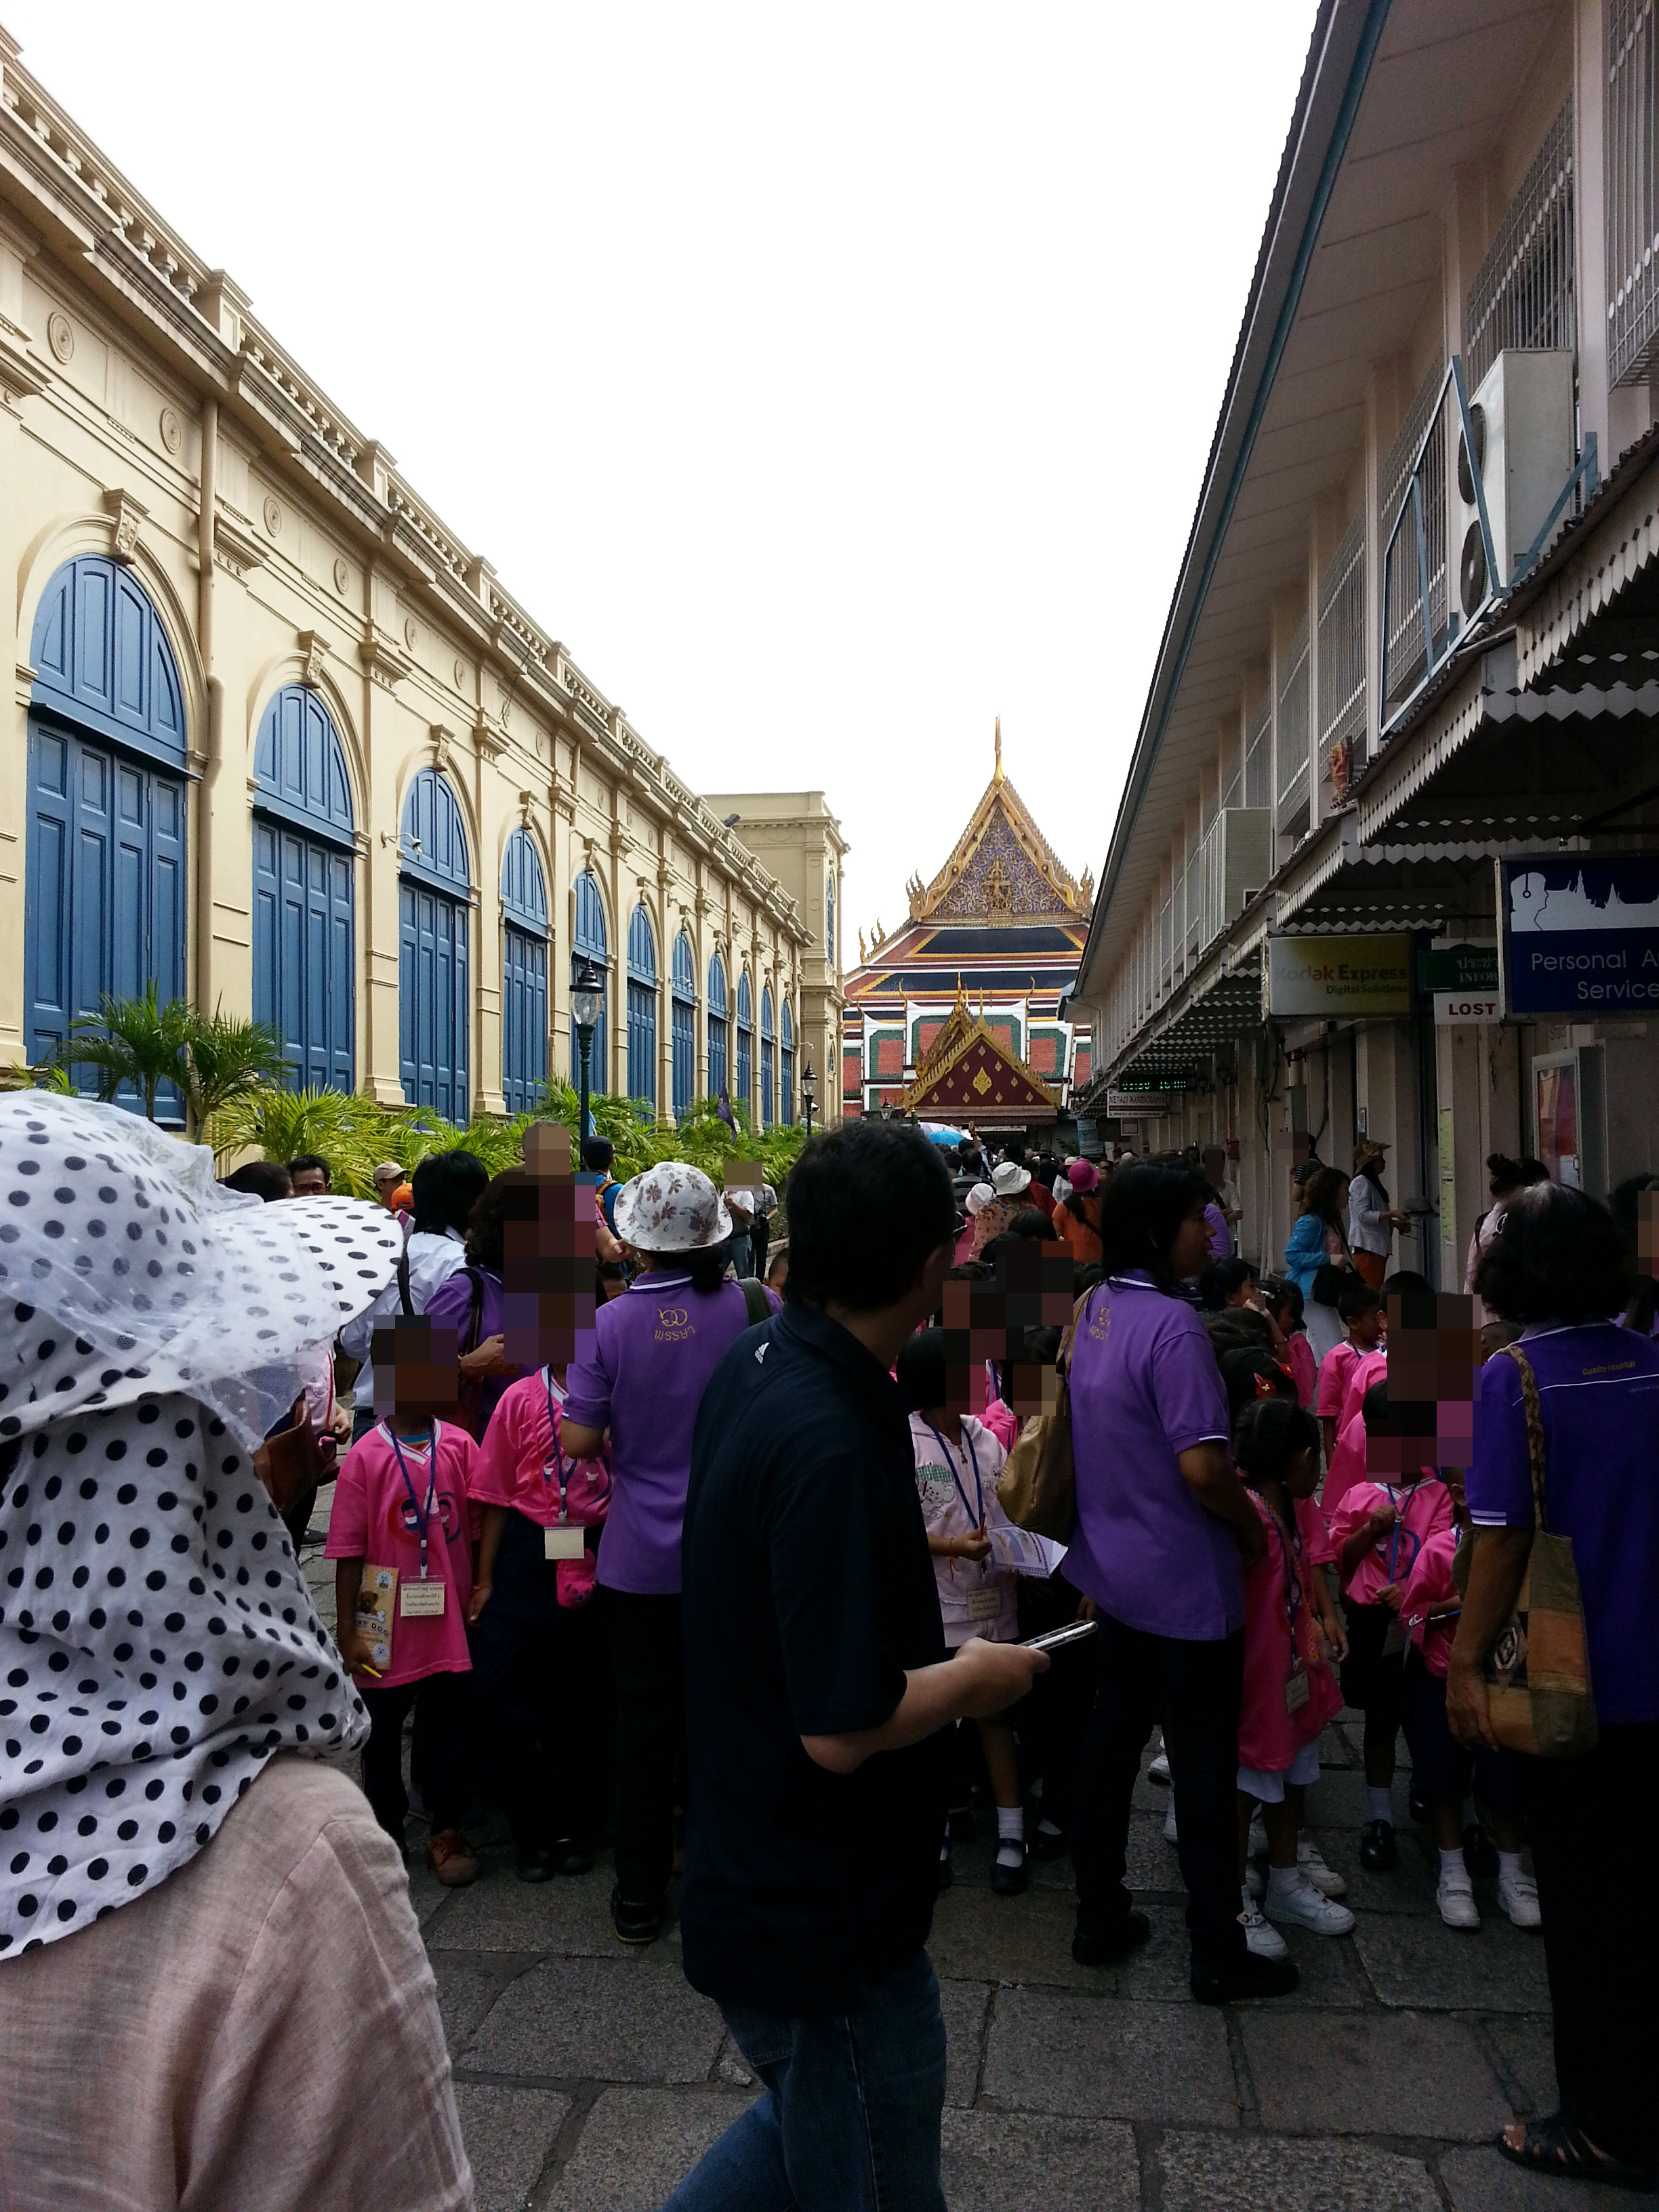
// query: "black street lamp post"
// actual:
[[809, 1084], [586, 993]]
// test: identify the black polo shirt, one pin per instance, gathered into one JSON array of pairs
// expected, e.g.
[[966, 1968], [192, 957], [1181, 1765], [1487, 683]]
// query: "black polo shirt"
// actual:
[[808, 1591]]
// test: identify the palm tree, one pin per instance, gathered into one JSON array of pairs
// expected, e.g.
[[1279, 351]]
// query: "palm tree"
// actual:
[[227, 1059], [136, 1041]]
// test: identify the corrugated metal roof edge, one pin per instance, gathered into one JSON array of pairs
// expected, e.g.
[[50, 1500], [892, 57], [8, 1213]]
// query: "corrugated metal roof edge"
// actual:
[[1167, 673]]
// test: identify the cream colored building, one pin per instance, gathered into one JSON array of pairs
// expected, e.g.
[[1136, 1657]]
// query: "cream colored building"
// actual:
[[280, 740]]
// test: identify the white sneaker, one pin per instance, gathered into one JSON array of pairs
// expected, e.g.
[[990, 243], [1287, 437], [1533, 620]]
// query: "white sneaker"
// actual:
[[1261, 1939], [1314, 1871], [1159, 1768], [1169, 1821], [1298, 1904], [1518, 1895], [1457, 1906]]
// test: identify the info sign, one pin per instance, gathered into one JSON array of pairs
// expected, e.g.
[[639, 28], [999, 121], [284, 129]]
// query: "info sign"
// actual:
[[1335, 976], [1580, 936]]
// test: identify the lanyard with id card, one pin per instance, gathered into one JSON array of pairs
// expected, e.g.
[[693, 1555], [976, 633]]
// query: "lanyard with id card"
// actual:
[[1296, 1686], [564, 1541], [422, 1600]]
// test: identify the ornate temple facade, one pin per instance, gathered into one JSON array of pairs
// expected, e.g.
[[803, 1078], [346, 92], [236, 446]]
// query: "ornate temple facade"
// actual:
[[988, 949]]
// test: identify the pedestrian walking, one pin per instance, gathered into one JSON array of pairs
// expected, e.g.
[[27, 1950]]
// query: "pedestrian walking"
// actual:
[[1372, 1218]]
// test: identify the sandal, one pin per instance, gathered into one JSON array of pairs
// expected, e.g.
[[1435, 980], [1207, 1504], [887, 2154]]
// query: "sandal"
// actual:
[[1555, 2146]]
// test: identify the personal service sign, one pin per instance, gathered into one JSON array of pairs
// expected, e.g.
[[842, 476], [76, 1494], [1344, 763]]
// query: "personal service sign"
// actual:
[[1581, 936], [1338, 976]]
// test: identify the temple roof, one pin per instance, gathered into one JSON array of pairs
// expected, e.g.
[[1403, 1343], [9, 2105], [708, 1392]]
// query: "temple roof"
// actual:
[[968, 1074]]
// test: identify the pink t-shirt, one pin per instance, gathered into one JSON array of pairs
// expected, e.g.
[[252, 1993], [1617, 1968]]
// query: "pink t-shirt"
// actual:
[[1269, 1734], [521, 1465], [1346, 1465], [1429, 1602], [1422, 1508], [1334, 1369], [1001, 1420], [1370, 1367], [1304, 1370], [376, 1520]]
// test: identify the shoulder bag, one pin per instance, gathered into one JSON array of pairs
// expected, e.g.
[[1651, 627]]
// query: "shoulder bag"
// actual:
[[1038, 1486], [1537, 1673]]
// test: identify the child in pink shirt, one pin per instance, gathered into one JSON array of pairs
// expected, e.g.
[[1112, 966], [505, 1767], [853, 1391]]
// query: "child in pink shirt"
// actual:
[[1284, 1309], [402, 1529], [1361, 1309], [538, 1648], [1291, 1633]]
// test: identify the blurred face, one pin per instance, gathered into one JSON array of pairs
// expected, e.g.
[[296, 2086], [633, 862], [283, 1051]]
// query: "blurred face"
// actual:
[[1434, 1358], [310, 1182], [547, 1267], [1191, 1248], [1031, 1289], [416, 1379]]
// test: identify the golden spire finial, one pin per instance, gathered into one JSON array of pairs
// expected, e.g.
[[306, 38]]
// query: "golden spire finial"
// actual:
[[998, 777]]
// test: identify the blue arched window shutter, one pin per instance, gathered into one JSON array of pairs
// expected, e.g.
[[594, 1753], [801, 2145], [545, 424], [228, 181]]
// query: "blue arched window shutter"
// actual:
[[588, 942], [641, 1008], [768, 1042], [433, 999], [787, 1066], [304, 970], [745, 1041], [683, 1017], [105, 881], [524, 975], [717, 1011]]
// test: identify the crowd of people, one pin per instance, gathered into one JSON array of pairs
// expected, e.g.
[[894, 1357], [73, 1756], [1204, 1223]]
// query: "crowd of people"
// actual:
[[671, 1535]]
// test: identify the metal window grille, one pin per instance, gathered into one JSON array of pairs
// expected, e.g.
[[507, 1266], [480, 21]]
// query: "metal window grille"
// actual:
[[1232, 772], [1342, 643], [1523, 294], [1257, 768], [1633, 190], [1402, 598], [1293, 723], [1194, 891]]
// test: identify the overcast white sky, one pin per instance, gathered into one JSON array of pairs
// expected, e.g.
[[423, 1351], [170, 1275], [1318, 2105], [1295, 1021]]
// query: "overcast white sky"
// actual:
[[830, 380]]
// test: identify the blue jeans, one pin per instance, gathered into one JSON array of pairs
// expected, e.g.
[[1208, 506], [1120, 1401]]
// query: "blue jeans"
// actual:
[[850, 2119]]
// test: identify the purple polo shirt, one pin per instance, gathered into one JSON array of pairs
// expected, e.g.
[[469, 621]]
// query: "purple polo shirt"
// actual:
[[1145, 1387], [1598, 1390], [655, 1348]]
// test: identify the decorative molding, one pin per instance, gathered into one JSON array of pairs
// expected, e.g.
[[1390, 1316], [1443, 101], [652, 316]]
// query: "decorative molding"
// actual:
[[127, 516], [20, 378], [342, 576], [488, 739], [60, 335], [170, 429], [461, 673], [443, 747], [234, 545], [316, 649], [411, 631], [387, 664], [272, 512]]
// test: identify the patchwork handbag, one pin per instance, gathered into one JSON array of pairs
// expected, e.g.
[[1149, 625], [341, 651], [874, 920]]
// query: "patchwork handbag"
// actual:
[[1038, 1486], [1537, 1673]]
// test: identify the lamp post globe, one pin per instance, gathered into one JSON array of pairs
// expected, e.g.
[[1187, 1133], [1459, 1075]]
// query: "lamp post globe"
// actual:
[[587, 993]]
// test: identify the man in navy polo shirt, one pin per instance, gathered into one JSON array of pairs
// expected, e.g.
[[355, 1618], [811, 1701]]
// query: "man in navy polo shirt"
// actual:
[[816, 1683]]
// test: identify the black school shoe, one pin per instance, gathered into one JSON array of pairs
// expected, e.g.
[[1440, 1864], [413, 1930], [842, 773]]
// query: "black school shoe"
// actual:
[[1249, 1977], [536, 1864], [633, 1921], [571, 1857], [1377, 1849], [1092, 1950], [1009, 1880]]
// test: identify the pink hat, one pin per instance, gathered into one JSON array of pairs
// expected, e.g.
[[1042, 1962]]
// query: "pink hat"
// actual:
[[1083, 1175]]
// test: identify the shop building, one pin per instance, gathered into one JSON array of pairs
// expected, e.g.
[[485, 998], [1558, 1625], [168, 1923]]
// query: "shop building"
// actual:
[[1402, 725]]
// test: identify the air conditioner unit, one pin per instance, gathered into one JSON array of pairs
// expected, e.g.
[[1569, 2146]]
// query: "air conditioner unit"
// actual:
[[1521, 418]]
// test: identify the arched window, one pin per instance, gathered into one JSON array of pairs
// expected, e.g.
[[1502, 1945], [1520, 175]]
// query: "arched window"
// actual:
[[434, 888], [682, 1015], [767, 1045], [787, 1066], [717, 1011], [745, 1049], [588, 942], [105, 897], [524, 975], [305, 969], [641, 1008]]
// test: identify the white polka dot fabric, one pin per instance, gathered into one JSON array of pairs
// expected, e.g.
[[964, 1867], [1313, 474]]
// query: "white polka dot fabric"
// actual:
[[157, 1642]]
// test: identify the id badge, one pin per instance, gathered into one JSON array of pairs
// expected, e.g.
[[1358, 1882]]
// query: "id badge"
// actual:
[[1295, 1690], [562, 1543], [1394, 1640], [422, 1601], [984, 1604]]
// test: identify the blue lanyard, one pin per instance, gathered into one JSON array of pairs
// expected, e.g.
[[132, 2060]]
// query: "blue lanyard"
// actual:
[[973, 1460], [558, 1464], [422, 1519], [1394, 1544]]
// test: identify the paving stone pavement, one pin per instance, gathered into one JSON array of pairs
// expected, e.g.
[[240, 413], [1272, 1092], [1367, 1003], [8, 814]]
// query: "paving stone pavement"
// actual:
[[590, 2076]]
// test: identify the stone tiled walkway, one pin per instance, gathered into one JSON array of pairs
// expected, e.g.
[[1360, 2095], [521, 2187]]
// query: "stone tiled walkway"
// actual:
[[590, 2076]]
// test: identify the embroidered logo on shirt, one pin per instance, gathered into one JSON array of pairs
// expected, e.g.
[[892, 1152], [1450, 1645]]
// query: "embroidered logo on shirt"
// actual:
[[761, 1352], [674, 1325], [1101, 1324]]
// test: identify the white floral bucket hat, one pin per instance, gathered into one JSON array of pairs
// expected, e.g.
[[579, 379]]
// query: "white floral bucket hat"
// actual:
[[671, 1208]]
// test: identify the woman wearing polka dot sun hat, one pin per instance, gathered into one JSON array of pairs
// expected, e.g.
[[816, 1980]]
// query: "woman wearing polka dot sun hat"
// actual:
[[245, 1985]]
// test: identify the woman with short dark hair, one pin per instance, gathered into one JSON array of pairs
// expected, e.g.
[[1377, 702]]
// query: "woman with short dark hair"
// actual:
[[1555, 1267], [1164, 1527]]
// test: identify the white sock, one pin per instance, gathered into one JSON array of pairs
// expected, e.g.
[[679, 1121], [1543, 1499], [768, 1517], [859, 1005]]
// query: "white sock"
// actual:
[[1509, 1865], [1453, 1870], [1047, 1827], [1379, 1804], [1282, 1879], [1010, 1835]]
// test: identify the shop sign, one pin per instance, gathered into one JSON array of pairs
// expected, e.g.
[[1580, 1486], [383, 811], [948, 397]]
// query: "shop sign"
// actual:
[[1088, 1137], [1580, 936], [1131, 1103], [1451, 1008], [1334, 976], [1458, 968]]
